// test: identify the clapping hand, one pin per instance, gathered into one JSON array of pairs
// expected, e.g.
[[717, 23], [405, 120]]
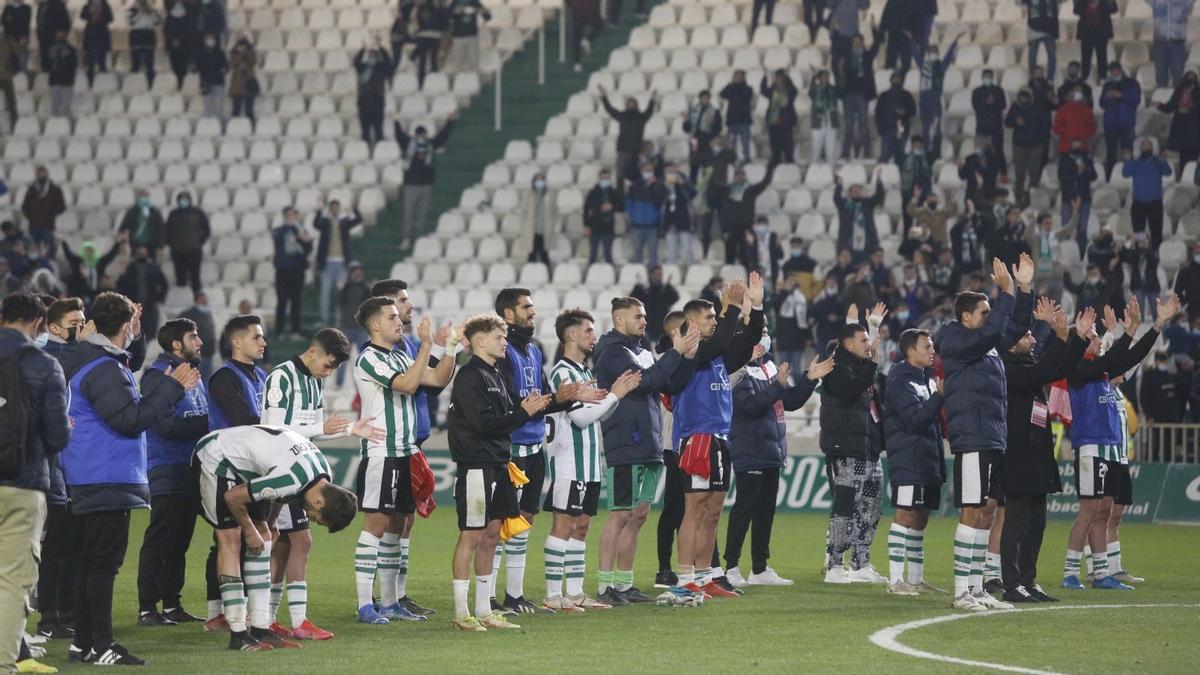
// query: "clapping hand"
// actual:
[[1085, 321], [580, 392], [135, 324], [754, 290], [627, 382], [1133, 316], [1001, 277], [1023, 272], [442, 336], [425, 330], [685, 343], [875, 318], [187, 376], [1110, 319], [1168, 307], [364, 429], [818, 369], [535, 403], [336, 424], [1045, 309], [1058, 321], [852, 313]]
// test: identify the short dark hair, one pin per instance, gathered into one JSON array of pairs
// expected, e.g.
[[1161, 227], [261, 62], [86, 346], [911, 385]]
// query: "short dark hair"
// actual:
[[334, 343], [238, 324], [388, 287], [569, 318], [174, 330], [849, 331], [625, 302], [509, 298], [966, 302], [482, 323], [371, 307], [697, 306], [110, 311], [22, 308], [46, 299], [908, 339], [672, 317], [341, 507], [61, 308]]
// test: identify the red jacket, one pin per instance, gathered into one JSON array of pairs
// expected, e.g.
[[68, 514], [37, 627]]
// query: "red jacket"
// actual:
[[1074, 120]]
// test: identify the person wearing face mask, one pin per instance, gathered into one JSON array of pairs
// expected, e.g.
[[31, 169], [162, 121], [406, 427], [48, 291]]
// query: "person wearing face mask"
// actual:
[[1184, 106], [144, 283], [243, 82], [465, 17], [97, 38], [187, 230], [677, 216], [792, 311], [599, 217], [1094, 290], [856, 215], [1074, 121], [42, 206], [643, 203], [916, 171], [1146, 205], [823, 118], [142, 224], [932, 84], [988, 101], [827, 312], [86, 270], [927, 212], [842, 21], [1187, 283], [980, 172], [333, 252], [1120, 98], [657, 295], [419, 150], [894, 111], [1027, 143], [702, 124], [539, 215], [1076, 173], [179, 37], [374, 68], [856, 85], [1161, 400], [1094, 30], [737, 214], [1041, 17], [1073, 81], [212, 65]]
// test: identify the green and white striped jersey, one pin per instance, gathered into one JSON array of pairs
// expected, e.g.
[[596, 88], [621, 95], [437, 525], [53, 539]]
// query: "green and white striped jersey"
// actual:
[[1118, 452], [395, 412], [574, 446], [276, 463], [293, 398]]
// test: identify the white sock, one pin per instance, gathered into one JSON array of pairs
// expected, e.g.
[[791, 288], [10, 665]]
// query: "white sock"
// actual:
[[366, 558], [233, 603], [388, 568], [964, 551], [980, 553], [483, 596], [258, 586], [703, 576], [1071, 566], [276, 597], [716, 573], [687, 574], [1099, 564], [402, 575], [915, 553], [460, 587], [991, 566], [574, 567], [555, 555], [297, 594], [1114, 557], [897, 538], [1087, 558], [514, 571], [214, 609], [496, 566]]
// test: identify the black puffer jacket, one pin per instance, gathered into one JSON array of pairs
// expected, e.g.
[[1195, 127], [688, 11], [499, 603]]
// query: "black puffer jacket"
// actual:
[[847, 394], [46, 397]]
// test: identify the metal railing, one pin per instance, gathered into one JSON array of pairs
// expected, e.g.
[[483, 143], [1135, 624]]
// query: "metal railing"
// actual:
[[1178, 443], [541, 37]]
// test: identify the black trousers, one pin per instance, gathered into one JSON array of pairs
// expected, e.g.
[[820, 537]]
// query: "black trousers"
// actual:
[[1099, 47], [179, 64], [759, 6], [583, 26], [426, 56], [1021, 540], [187, 268], [1115, 143], [163, 558], [370, 118], [289, 287], [1150, 214], [104, 537], [539, 254], [783, 149], [753, 511], [143, 58], [671, 515], [59, 566]]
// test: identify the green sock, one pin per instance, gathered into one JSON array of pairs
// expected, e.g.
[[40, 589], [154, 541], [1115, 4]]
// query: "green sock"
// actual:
[[623, 580], [606, 580]]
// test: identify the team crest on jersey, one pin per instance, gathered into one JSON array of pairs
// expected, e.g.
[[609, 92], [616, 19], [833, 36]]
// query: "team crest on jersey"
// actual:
[[722, 383], [530, 378], [274, 396]]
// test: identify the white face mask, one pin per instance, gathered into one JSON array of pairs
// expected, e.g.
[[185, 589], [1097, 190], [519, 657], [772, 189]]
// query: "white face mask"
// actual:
[[605, 184], [41, 340], [765, 343], [539, 184], [128, 340]]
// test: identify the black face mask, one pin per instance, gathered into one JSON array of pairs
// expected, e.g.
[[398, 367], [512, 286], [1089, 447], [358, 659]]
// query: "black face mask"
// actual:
[[72, 334]]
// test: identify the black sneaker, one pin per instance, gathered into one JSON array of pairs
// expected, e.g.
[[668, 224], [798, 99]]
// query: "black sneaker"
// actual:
[[1018, 594], [265, 636], [723, 583], [1041, 596], [635, 596], [79, 654], [613, 597], [501, 609], [153, 618], [993, 586], [666, 579], [115, 655], [407, 603], [522, 606], [244, 642], [55, 630], [180, 615]]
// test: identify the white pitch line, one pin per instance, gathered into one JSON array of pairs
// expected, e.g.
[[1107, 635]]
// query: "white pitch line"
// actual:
[[888, 638]]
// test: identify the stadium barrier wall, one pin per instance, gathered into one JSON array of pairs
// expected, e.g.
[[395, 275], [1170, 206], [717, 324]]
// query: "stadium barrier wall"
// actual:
[[1162, 492]]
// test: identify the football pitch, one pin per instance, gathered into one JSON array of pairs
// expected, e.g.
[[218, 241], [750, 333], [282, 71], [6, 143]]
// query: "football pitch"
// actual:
[[808, 627]]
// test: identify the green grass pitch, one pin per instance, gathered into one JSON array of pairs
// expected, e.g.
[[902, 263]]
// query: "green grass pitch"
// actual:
[[809, 627]]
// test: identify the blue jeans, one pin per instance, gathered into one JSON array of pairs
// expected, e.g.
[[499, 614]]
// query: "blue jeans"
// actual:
[[645, 237], [45, 237], [741, 132], [930, 109], [333, 275], [1169, 57], [679, 247], [1051, 55], [1081, 237]]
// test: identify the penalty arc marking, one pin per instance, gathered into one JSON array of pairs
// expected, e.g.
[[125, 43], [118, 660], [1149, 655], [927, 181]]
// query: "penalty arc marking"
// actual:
[[888, 638]]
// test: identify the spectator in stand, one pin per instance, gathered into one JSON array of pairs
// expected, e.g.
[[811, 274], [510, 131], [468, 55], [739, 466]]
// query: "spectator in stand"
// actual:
[[912, 298], [1073, 81], [677, 216], [1045, 242], [143, 282], [856, 215], [334, 253], [52, 18], [759, 6], [1185, 121], [843, 267], [988, 101], [739, 102], [702, 124], [179, 36], [897, 23], [1161, 402], [714, 178], [823, 117], [792, 334], [894, 111], [212, 67], [8, 70], [966, 240], [1095, 291], [142, 224], [856, 81], [980, 170], [86, 273], [1146, 204], [144, 21], [599, 216], [924, 211], [61, 61], [16, 20], [23, 494], [1120, 98], [643, 205], [1169, 51], [916, 171], [539, 219], [431, 23], [419, 150], [860, 288], [764, 250], [463, 56], [781, 115], [400, 35], [42, 206], [1076, 173], [586, 24], [374, 69], [814, 17], [737, 214], [97, 38], [649, 154], [1075, 120], [1187, 284], [1028, 147], [1047, 101], [631, 124], [932, 84], [293, 242], [1041, 17], [800, 267], [243, 78], [881, 274], [187, 231], [658, 296], [1094, 30], [9, 284], [1143, 269], [200, 313], [843, 25], [829, 314]]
